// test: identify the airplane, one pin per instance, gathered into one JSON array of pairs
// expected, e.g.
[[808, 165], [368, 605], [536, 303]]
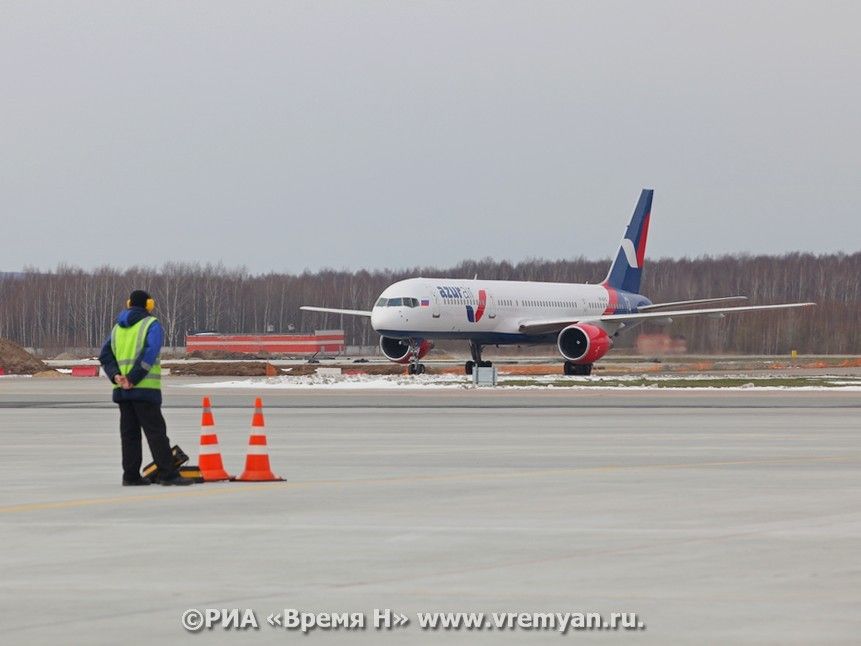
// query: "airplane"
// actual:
[[582, 320]]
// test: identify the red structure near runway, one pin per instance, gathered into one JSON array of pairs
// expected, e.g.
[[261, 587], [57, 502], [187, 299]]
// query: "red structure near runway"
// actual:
[[322, 341]]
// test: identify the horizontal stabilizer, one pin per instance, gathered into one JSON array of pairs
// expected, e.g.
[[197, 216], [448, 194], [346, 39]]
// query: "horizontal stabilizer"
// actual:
[[332, 310]]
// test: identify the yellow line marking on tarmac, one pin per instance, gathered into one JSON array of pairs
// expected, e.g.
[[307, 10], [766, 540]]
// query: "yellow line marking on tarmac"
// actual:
[[533, 473], [87, 502]]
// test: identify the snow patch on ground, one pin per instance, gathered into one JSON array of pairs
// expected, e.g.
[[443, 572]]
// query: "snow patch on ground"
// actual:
[[423, 382], [369, 382]]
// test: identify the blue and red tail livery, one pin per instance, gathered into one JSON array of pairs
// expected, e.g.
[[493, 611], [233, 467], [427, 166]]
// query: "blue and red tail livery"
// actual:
[[627, 268]]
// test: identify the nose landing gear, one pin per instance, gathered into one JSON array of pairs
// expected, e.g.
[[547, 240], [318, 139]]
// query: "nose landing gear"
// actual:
[[415, 367]]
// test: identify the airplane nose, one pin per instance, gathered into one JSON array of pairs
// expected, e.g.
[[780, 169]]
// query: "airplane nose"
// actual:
[[387, 318], [378, 316]]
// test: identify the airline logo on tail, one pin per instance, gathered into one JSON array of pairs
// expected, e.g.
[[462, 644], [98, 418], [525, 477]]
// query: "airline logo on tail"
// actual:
[[630, 254], [636, 256]]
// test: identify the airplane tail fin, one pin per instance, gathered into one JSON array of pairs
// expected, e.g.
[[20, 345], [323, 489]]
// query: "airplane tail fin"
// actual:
[[627, 268]]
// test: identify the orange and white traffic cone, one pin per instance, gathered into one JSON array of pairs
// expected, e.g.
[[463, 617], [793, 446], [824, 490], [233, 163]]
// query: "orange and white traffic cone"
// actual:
[[257, 467], [211, 466]]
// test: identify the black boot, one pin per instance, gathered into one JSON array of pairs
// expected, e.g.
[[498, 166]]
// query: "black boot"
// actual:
[[175, 480], [140, 481]]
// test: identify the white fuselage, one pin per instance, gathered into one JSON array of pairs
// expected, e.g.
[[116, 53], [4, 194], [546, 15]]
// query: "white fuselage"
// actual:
[[488, 311]]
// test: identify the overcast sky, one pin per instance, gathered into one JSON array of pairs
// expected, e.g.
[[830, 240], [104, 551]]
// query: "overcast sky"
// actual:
[[292, 135]]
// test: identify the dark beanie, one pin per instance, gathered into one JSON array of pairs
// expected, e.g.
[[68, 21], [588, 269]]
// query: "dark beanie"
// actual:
[[138, 298]]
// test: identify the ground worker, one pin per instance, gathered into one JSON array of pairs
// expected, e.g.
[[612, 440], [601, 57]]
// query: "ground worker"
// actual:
[[130, 358]]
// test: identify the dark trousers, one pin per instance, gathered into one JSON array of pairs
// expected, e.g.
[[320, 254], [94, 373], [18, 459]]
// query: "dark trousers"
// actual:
[[135, 416]]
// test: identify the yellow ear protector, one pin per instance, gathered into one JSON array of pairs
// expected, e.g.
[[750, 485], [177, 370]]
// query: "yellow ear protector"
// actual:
[[150, 304]]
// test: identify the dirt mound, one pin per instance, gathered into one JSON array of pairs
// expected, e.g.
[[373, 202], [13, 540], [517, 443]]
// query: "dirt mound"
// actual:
[[225, 369], [50, 374], [15, 360]]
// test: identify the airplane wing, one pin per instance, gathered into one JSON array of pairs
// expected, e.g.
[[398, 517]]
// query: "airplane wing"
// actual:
[[331, 310], [544, 327], [701, 301]]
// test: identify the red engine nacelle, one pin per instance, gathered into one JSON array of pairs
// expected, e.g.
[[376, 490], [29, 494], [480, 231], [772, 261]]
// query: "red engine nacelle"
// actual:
[[583, 343], [398, 350]]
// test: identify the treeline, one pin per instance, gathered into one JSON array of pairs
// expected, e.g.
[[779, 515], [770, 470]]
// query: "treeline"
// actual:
[[70, 307]]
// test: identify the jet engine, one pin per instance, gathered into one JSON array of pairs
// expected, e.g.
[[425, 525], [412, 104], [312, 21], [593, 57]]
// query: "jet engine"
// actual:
[[583, 343], [398, 350]]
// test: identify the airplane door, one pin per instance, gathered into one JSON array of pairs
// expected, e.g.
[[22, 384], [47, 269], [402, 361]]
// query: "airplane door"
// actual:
[[434, 304], [491, 306]]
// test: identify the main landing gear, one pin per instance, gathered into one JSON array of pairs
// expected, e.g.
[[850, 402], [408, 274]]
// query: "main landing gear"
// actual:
[[570, 368], [475, 351], [415, 368]]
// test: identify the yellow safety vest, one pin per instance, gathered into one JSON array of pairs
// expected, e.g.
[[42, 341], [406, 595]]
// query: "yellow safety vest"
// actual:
[[127, 344]]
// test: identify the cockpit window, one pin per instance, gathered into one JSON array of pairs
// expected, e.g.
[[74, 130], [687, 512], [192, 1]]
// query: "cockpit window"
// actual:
[[406, 301]]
